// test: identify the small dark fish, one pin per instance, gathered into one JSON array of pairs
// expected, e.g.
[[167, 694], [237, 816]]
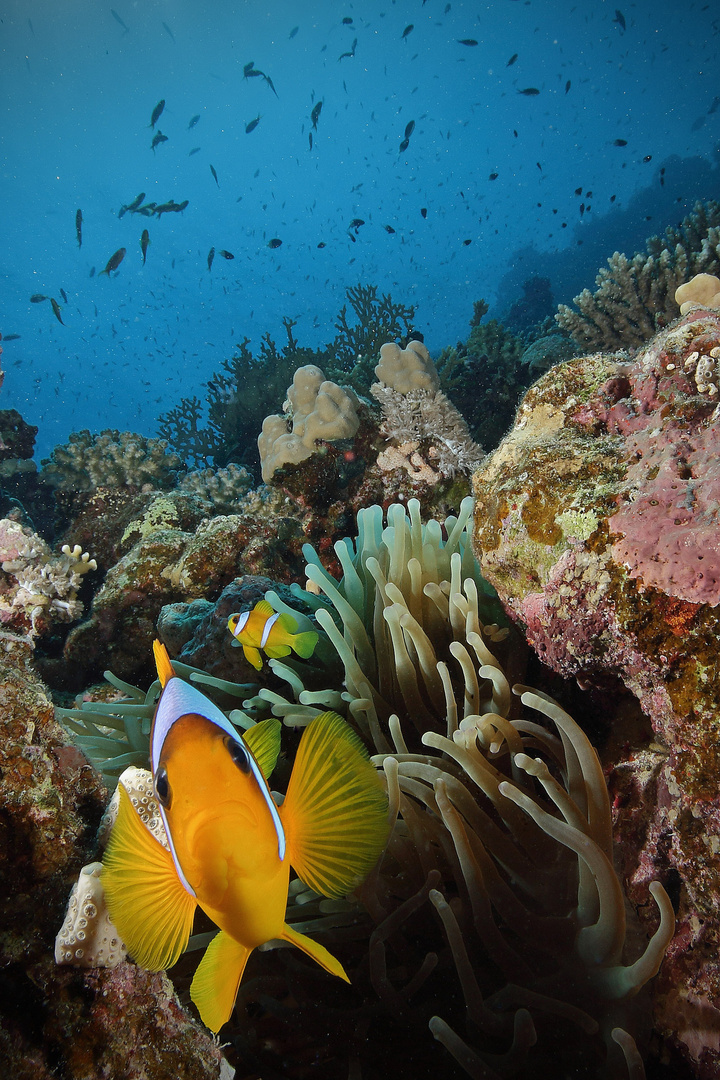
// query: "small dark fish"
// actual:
[[529, 91], [423, 211], [11, 337], [613, 198], [648, 157], [493, 176], [698, 123], [78, 226], [226, 254], [310, 138], [254, 73], [144, 242], [166, 27], [322, 244], [315, 114], [512, 60], [567, 86], [247, 69], [37, 298], [274, 243], [147, 210], [409, 128], [195, 150], [293, 32], [347, 21], [56, 309], [403, 146], [157, 113], [714, 106], [466, 242], [64, 296], [193, 121], [619, 18], [252, 125], [466, 41], [132, 207], [270, 83], [356, 223], [92, 274], [408, 30], [620, 142], [179, 207], [118, 20], [212, 170], [211, 256], [114, 261], [157, 139], [352, 238], [388, 228]]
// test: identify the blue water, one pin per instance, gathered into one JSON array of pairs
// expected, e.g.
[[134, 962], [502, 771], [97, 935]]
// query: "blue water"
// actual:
[[77, 91]]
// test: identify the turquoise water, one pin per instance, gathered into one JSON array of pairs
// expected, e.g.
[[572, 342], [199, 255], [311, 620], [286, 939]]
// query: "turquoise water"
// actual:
[[488, 190]]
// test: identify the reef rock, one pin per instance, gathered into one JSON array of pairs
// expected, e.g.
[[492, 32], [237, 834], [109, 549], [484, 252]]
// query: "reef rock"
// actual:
[[597, 522]]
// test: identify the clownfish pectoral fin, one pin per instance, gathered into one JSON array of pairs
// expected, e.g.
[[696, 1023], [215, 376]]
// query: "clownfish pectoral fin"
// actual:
[[335, 813], [314, 949], [215, 985], [146, 901], [162, 662], [253, 656], [263, 739]]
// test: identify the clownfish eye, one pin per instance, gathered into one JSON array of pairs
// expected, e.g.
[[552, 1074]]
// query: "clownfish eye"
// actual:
[[238, 753], [162, 787]]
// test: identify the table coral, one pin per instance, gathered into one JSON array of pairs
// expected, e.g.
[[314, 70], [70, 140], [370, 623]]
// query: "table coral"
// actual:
[[597, 521]]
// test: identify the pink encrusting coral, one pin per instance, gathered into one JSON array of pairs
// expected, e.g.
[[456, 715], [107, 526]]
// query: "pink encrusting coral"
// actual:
[[597, 522]]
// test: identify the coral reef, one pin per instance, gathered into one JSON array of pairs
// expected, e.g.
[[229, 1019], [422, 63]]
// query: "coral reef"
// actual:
[[37, 587], [637, 296], [597, 522], [703, 290], [222, 488], [247, 389], [110, 459]]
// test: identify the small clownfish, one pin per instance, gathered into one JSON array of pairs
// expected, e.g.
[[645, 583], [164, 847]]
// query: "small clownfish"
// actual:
[[231, 847], [263, 628]]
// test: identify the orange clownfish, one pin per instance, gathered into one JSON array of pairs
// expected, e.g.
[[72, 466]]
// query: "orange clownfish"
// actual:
[[231, 847], [263, 628]]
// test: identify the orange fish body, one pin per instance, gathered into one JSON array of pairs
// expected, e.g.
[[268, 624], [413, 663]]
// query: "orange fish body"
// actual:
[[264, 629], [231, 848]]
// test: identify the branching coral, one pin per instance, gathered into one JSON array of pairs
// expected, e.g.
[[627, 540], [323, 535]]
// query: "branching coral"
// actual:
[[223, 488], [110, 459], [635, 296], [37, 587]]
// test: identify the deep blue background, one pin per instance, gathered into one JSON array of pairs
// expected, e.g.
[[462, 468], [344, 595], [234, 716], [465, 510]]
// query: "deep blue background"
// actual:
[[77, 92]]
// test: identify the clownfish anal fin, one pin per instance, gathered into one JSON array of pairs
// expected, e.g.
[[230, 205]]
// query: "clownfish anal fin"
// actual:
[[335, 811], [162, 662], [314, 949], [147, 903], [215, 985], [263, 739]]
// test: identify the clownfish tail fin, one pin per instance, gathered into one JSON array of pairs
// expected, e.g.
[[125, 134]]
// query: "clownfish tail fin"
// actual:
[[162, 662]]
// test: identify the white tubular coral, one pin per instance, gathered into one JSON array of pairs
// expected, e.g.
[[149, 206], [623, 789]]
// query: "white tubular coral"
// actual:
[[87, 938], [315, 409]]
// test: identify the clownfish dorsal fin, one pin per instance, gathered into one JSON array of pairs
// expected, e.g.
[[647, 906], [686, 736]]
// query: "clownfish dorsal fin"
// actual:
[[263, 607], [162, 662]]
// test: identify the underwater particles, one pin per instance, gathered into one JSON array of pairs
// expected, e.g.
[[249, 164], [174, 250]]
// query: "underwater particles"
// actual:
[[211, 780]]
